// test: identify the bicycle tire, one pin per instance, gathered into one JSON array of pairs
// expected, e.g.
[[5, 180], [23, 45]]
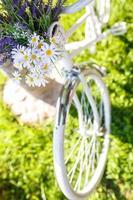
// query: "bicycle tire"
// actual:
[[60, 143]]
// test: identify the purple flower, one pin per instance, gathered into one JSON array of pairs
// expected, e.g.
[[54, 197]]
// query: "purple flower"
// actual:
[[34, 8], [46, 35], [7, 44], [1, 61], [56, 12], [16, 3], [34, 11], [22, 9]]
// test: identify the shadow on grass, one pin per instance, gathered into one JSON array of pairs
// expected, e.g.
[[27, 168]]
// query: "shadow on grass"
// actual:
[[112, 187], [122, 123], [9, 191]]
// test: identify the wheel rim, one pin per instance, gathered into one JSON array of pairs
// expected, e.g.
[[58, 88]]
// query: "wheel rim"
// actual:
[[82, 159]]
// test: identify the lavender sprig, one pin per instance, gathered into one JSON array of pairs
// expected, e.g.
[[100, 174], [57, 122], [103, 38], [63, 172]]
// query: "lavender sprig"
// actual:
[[16, 3], [22, 10], [7, 44]]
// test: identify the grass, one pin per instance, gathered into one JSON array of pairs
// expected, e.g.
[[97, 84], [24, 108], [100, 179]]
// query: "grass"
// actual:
[[26, 165]]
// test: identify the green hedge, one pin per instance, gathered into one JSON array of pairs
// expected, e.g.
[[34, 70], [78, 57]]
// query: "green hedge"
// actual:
[[26, 165]]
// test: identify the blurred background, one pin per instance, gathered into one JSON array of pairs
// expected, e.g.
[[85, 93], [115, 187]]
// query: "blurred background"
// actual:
[[26, 163]]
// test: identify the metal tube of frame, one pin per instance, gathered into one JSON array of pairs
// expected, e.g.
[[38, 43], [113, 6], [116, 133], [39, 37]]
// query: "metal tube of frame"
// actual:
[[78, 23], [76, 6], [76, 49]]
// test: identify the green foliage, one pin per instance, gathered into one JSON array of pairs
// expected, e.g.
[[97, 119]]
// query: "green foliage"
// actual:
[[26, 165]]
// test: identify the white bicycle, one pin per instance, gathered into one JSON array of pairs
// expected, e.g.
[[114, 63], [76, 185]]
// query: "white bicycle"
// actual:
[[82, 127]]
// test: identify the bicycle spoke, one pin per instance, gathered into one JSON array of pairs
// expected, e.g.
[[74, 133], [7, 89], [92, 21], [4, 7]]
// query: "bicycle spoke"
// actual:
[[87, 112], [72, 150], [78, 183], [88, 165], [93, 156], [73, 169]]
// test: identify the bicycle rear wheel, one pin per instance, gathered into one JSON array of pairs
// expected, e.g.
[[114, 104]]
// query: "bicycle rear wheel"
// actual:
[[81, 135]]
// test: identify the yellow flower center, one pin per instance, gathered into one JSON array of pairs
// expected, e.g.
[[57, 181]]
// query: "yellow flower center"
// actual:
[[45, 66], [49, 52], [26, 57], [33, 57], [34, 40], [40, 45], [53, 40]]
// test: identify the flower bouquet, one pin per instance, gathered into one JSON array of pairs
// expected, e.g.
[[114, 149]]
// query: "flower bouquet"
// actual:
[[25, 41], [28, 54]]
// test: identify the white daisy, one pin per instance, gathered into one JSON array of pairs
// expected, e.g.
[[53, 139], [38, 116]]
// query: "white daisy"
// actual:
[[29, 79], [35, 57], [50, 52], [36, 80], [35, 62], [37, 70], [26, 58], [56, 40], [40, 45], [40, 81], [17, 77], [47, 68], [17, 56], [34, 39], [18, 64], [20, 49]]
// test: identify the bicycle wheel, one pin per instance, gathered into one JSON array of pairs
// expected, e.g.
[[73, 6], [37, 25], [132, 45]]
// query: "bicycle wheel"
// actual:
[[81, 135]]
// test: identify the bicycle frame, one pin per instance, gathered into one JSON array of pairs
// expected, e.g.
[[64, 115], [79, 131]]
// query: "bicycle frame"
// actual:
[[67, 64], [75, 48]]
